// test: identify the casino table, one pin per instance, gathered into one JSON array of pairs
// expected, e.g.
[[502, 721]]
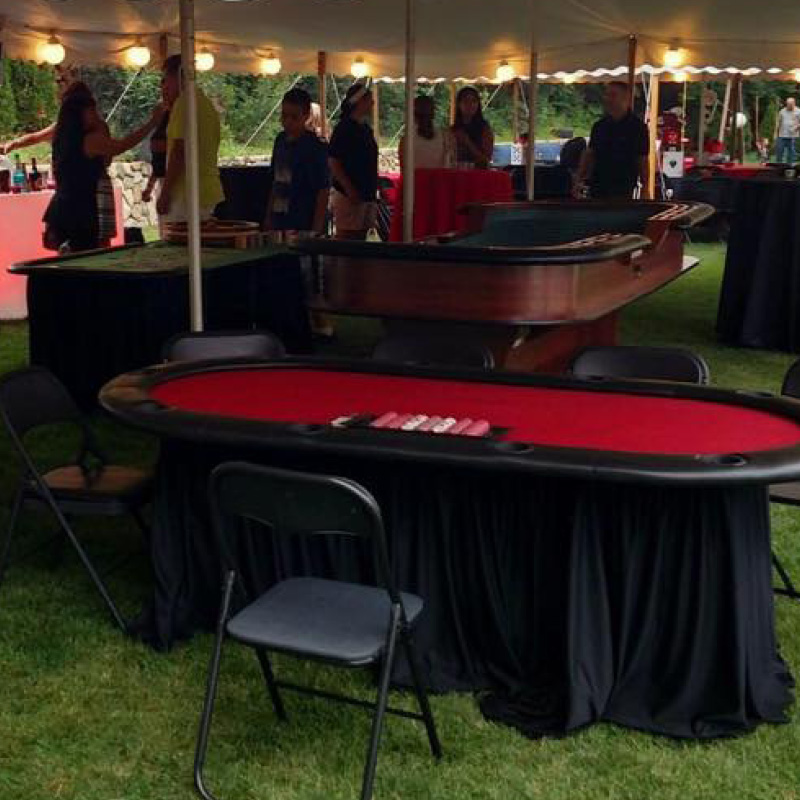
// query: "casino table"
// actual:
[[602, 553], [95, 315], [534, 282], [759, 302]]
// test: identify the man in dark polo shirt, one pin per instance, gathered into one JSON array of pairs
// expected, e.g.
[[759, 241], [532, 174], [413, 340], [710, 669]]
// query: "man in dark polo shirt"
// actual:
[[618, 150]]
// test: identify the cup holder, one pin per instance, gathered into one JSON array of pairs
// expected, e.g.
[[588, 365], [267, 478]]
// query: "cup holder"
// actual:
[[727, 460], [310, 429], [515, 448]]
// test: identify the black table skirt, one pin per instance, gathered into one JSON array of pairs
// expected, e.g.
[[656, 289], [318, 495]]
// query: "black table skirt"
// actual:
[[569, 602], [89, 329], [760, 299]]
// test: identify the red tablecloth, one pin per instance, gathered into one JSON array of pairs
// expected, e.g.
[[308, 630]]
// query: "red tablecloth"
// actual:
[[440, 193], [21, 240]]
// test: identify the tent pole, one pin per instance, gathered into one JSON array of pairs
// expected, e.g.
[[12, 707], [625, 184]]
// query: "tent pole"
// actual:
[[652, 125], [376, 111], [633, 46], [701, 127], [409, 175], [533, 95], [322, 68], [189, 91], [163, 47], [515, 109], [726, 107]]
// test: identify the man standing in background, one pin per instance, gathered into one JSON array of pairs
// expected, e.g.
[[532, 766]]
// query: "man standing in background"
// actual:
[[172, 200], [616, 158], [788, 131]]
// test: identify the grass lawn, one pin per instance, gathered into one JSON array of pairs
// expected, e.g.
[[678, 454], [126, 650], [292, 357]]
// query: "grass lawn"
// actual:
[[87, 715]]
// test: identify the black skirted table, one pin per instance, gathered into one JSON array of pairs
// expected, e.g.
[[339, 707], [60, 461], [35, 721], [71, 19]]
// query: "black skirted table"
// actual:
[[603, 554], [760, 299], [95, 315]]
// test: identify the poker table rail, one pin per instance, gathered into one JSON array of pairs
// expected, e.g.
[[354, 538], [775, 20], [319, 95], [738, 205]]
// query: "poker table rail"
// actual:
[[129, 399], [593, 249]]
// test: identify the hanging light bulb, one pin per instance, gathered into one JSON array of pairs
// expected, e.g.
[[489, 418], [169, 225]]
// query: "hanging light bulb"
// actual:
[[271, 65], [680, 76], [359, 68], [505, 72], [204, 60], [796, 75], [570, 77], [52, 51], [673, 58], [138, 56]]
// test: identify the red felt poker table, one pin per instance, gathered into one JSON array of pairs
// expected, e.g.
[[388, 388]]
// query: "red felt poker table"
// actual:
[[604, 554]]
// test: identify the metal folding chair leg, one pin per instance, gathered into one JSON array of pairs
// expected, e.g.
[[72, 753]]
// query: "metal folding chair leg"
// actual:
[[10, 529], [272, 686], [422, 694], [788, 589], [89, 567], [211, 693], [380, 706]]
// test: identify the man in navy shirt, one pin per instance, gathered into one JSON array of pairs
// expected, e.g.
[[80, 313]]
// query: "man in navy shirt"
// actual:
[[617, 156], [300, 182]]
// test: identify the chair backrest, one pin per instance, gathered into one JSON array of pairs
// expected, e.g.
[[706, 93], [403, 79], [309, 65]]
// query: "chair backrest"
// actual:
[[32, 398], [433, 351], [210, 345], [791, 383], [645, 363], [297, 503]]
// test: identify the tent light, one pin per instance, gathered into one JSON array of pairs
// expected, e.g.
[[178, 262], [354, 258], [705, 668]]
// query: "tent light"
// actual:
[[569, 77], [138, 56], [681, 76], [796, 75], [359, 68], [673, 58], [204, 61], [52, 51], [505, 72], [271, 65]]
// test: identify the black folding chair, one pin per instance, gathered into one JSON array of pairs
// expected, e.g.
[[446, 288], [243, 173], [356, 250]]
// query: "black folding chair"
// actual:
[[433, 351], [88, 485], [642, 363], [787, 494], [342, 624], [207, 345]]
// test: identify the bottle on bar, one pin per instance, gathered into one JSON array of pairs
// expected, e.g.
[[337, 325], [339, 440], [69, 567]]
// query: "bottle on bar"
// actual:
[[19, 179], [35, 177]]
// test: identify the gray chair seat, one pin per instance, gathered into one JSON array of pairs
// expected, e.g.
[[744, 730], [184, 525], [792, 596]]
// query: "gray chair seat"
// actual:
[[786, 493], [330, 620]]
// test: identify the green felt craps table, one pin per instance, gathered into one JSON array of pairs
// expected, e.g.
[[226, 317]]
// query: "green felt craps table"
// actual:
[[149, 259]]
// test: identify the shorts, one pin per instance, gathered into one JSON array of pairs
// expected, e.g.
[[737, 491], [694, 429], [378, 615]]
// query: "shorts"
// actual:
[[351, 216]]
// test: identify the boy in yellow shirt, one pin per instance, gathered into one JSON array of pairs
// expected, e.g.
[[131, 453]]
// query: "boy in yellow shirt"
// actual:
[[172, 200]]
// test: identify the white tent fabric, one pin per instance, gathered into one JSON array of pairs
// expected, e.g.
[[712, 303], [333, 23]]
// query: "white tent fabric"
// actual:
[[456, 38]]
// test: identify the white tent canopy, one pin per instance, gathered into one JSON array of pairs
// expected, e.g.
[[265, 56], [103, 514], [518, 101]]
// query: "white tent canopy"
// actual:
[[455, 38]]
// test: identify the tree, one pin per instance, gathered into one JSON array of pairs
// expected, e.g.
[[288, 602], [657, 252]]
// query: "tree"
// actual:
[[34, 90], [8, 107]]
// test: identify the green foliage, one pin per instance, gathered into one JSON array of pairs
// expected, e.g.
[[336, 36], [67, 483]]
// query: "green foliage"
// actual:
[[8, 106], [34, 94]]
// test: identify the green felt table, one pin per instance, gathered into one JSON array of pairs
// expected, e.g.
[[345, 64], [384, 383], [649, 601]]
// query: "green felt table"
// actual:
[[148, 259]]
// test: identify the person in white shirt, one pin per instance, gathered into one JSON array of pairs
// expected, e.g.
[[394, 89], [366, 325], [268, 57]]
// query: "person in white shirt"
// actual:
[[788, 132], [433, 147]]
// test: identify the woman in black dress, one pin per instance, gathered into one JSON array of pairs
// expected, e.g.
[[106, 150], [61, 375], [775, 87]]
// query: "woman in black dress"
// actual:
[[473, 134], [82, 147]]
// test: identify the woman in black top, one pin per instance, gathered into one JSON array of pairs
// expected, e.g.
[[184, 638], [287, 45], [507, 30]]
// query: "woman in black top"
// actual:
[[353, 160], [473, 134], [81, 148]]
